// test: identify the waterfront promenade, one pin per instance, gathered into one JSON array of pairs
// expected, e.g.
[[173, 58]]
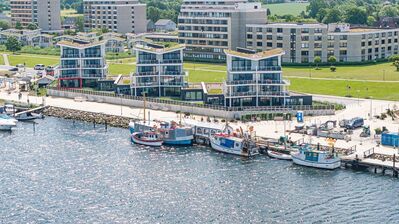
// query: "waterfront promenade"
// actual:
[[265, 129]]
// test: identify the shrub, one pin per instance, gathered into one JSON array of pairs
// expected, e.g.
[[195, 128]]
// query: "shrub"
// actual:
[[333, 68]]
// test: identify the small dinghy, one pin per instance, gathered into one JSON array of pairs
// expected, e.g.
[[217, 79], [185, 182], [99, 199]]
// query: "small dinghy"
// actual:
[[28, 116], [147, 138], [278, 155]]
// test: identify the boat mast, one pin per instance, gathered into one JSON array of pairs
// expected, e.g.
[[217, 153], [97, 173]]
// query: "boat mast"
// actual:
[[144, 105]]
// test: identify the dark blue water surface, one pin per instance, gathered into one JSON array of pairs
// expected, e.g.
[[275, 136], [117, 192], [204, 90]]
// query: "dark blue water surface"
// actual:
[[65, 173]]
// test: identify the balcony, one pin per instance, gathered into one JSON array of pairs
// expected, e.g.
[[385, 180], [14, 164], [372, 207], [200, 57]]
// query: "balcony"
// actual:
[[94, 66], [70, 56], [259, 82], [146, 74], [172, 83], [260, 68], [140, 61], [171, 61], [174, 73], [260, 93], [92, 56], [69, 66], [143, 84]]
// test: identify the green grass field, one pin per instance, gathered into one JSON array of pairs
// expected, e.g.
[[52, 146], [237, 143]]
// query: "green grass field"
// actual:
[[286, 8], [70, 13], [386, 91], [377, 72], [117, 69], [32, 60]]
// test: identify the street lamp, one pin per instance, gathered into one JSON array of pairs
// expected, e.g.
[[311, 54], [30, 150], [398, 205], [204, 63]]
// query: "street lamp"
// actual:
[[120, 96]]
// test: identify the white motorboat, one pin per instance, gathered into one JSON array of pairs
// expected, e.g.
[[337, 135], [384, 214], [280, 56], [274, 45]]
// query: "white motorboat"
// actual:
[[7, 123], [307, 156], [28, 116], [278, 155], [147, 138]]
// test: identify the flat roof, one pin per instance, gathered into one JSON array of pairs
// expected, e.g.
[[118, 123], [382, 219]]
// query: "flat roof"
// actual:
[[256, 56], [159, 50], [75, 44]]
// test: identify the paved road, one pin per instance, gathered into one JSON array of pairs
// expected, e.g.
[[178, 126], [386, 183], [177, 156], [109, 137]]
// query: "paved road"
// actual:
[[5, 59]]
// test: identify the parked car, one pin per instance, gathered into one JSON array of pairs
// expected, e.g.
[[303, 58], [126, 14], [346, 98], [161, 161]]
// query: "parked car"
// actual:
[[354, 123], [39, 67], [50, 70]]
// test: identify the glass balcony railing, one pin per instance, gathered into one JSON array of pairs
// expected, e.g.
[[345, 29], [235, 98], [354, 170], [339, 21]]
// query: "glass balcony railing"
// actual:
[[171, 61], [254, 82], [260, 93], [69, 66], [140, 61], [145, 74], [261, 68], [93, 66], [70, 56]]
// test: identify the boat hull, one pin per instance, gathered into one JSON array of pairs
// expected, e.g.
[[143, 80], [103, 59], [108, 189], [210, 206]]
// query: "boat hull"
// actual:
[[220, 148], [178, 142], [153, 143], [6, 127], [324, 165], [278, 155]]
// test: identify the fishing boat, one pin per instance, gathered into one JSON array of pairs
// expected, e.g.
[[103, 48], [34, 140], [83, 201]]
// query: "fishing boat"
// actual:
[[147, 138], [7, 123], [278, 155], [308, 156], [231, 144], [28, 116]]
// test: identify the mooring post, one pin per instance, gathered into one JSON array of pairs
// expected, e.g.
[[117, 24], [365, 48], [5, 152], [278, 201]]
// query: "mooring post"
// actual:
[[34, 127], [106, 125], [94, 123], [375, 169]]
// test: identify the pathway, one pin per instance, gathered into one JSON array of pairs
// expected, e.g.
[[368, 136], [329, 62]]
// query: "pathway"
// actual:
[[5, 59], [340, 79]]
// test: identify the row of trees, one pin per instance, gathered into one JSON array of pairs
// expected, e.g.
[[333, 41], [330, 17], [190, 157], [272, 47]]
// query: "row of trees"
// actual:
[[365, 12]]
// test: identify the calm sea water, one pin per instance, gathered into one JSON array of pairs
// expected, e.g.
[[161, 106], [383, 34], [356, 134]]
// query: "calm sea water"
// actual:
[[65, 173]]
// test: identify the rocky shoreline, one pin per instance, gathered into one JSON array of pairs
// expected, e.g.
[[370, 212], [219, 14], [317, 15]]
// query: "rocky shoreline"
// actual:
[[90, 117]]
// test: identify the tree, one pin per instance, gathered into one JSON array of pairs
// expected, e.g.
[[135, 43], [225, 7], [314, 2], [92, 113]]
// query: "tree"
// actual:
[[388, 11], [396, 64], [13, 44], [332, 16], [4, 25], [356, 15], [317, 61], [332, 59], [315, 6], [79, 22], [393, 58], [18, 26], [31, 26], [371, 20]]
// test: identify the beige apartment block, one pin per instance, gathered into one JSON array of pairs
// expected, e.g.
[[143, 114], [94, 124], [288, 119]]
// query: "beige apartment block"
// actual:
[[46, 14], [121, 16], [207, 28], [303, 42]]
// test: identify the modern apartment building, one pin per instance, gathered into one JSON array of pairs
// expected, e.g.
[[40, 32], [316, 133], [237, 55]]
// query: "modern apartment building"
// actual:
[[255, 79], [121, 16], [82, 64], [159, 70], [46, 14], [209, 27], [303, 42]]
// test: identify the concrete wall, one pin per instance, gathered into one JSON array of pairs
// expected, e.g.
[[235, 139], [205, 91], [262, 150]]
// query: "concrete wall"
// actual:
[[49, 15], [195, 109]]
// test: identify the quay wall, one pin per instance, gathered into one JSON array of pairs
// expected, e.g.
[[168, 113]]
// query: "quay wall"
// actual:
[[90, 117], [210, 111]]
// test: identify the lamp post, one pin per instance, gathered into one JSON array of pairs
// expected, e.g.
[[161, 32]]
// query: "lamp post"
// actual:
[[120, 96]]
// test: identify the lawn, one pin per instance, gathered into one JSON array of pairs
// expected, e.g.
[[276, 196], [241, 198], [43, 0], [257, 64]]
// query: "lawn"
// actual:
[[1, 59], [376, 72], [286, 8], [69, 13], [386, 91], [117, 69], [32, 60], [205, 72]]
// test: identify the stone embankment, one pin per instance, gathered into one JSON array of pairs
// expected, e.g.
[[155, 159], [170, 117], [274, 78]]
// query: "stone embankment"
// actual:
[[90, 117]]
